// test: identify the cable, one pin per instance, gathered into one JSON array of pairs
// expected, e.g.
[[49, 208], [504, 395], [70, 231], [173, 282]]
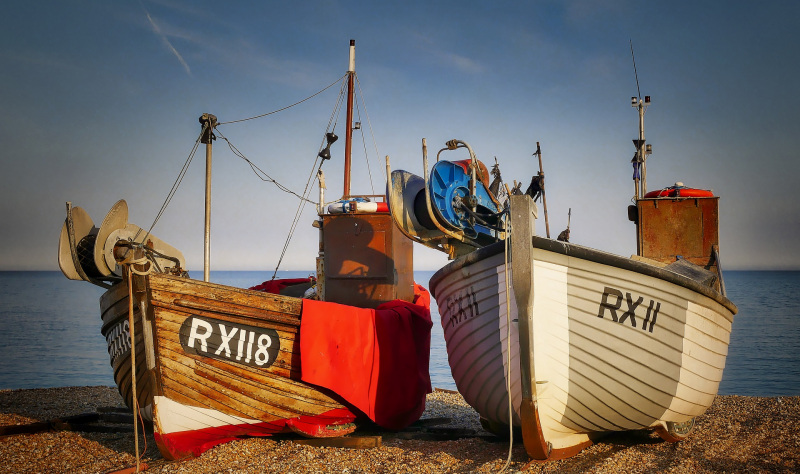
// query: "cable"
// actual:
[[311, 178], [508, 352], [175, 186], [262, 175], [366, 156], [287, 107], [371, 131]]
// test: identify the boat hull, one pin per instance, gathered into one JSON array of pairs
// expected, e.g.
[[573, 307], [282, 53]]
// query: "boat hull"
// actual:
[[214, 363], [186, 431], [616, 344], [114, 309]]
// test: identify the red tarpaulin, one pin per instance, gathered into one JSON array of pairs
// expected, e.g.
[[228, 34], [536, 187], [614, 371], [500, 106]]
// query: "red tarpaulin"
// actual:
[[275, 286], [376, 359]]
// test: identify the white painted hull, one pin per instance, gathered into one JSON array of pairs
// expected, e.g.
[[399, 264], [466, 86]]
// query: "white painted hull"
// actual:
[[593, 374]]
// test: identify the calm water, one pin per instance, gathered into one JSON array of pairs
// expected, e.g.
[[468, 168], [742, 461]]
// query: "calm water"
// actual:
[[50, 332]]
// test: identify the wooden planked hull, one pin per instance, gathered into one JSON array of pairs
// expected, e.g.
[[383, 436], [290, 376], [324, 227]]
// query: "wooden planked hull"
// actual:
[[216, 362], [116, 330], [616, 344]]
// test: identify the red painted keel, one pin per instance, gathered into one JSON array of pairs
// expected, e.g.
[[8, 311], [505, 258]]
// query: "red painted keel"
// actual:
[[191, 443]]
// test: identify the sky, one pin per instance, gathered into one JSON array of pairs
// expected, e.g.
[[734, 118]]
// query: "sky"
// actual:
[[101, 101]]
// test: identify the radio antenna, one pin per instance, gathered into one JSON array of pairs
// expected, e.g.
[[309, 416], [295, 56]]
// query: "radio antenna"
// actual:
[[634, 71]]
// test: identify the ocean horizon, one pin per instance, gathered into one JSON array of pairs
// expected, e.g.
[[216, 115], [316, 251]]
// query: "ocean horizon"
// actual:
[[50, 331]]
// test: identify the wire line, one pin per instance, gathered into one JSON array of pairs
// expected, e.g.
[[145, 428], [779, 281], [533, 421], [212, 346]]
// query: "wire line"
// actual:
[[287, 107]]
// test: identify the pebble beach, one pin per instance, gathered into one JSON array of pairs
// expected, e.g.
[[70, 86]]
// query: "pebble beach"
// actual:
[[737, 434]]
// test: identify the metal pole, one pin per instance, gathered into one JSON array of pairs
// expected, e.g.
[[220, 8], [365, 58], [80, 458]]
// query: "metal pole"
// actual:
[[544, 198], [209, 122], [642, 155], [207, 229], [321, 254]]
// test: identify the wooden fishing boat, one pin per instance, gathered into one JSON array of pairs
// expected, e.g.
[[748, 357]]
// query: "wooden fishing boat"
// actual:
[[568, 343], [213, 362]]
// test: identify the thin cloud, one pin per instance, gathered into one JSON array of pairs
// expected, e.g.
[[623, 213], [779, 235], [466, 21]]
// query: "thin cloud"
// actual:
[[166, 42], [462, 63]]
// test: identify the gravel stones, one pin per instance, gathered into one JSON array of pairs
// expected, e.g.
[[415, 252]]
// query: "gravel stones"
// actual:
[[737, 434]]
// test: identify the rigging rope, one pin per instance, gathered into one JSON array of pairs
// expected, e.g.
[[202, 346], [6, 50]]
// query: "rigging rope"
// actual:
[[361, 128], [178, 180], [315, 172], [508, 350], [287, 107], [366, 156], [134, 395], [174, 188], [262, 175], [258, 171], [371, 131]]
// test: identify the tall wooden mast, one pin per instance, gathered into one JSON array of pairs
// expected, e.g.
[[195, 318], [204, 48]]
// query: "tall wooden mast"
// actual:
[[348, 143], [208, 122]]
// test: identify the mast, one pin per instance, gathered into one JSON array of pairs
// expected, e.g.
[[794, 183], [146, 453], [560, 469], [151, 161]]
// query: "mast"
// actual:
[[208, 122], [641, 150], [641, 144], [544, 198], [348, 143]]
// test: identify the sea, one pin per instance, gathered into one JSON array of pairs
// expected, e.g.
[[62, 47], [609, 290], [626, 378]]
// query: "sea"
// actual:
[[50, 331]]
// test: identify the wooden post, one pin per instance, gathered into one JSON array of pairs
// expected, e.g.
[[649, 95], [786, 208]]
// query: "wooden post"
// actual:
[[523, 214], [544, 198], [134, 397], [348, 142]]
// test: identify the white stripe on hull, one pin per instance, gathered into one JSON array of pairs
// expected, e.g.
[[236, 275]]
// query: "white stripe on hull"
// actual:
[[594, 374], [172, 417]]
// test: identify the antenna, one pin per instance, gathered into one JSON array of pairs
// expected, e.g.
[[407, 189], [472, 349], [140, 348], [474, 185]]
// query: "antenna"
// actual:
[[634, 71], [642, 150]]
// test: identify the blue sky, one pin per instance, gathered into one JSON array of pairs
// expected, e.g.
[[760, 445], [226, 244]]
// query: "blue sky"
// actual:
[[100, 101]]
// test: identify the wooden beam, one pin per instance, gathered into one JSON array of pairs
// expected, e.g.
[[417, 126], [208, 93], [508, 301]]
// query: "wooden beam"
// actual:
[[351, 442], [523, 213]]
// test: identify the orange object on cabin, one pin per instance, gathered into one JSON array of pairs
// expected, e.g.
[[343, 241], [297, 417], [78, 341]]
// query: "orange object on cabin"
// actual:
[[668, 227]]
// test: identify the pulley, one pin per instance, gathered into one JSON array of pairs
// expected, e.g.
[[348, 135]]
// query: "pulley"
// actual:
[[449, 188]]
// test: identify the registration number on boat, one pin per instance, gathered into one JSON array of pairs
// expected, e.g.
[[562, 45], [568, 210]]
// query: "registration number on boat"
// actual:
[[611, 303], [119, 341], [461, 306], [249, 345]]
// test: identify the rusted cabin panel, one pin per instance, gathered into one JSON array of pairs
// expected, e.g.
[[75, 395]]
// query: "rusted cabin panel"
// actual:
[[669, 227], [367, 260]]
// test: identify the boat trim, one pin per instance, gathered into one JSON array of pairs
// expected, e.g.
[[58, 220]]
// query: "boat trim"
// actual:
[[592, 255]]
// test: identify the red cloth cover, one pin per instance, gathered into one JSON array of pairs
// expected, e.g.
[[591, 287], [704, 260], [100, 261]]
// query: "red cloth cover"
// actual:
[[376, 359], [275, 286]]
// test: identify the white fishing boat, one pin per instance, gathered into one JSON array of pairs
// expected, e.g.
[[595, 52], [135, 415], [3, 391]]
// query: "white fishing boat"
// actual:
[[565, 342], [208, 363]]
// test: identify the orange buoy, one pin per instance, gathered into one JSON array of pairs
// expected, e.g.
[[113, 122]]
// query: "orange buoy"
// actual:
[[679, 190]]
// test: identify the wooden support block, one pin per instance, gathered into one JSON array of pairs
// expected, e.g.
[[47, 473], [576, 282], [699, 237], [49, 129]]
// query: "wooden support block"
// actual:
[[351, 442]]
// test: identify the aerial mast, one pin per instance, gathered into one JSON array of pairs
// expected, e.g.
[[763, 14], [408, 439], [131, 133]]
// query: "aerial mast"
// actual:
[[348, 144], [642, 150], [208, 122], [640, 158]]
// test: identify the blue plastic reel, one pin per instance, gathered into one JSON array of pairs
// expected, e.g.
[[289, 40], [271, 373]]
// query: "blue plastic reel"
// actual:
[[449, 182]]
